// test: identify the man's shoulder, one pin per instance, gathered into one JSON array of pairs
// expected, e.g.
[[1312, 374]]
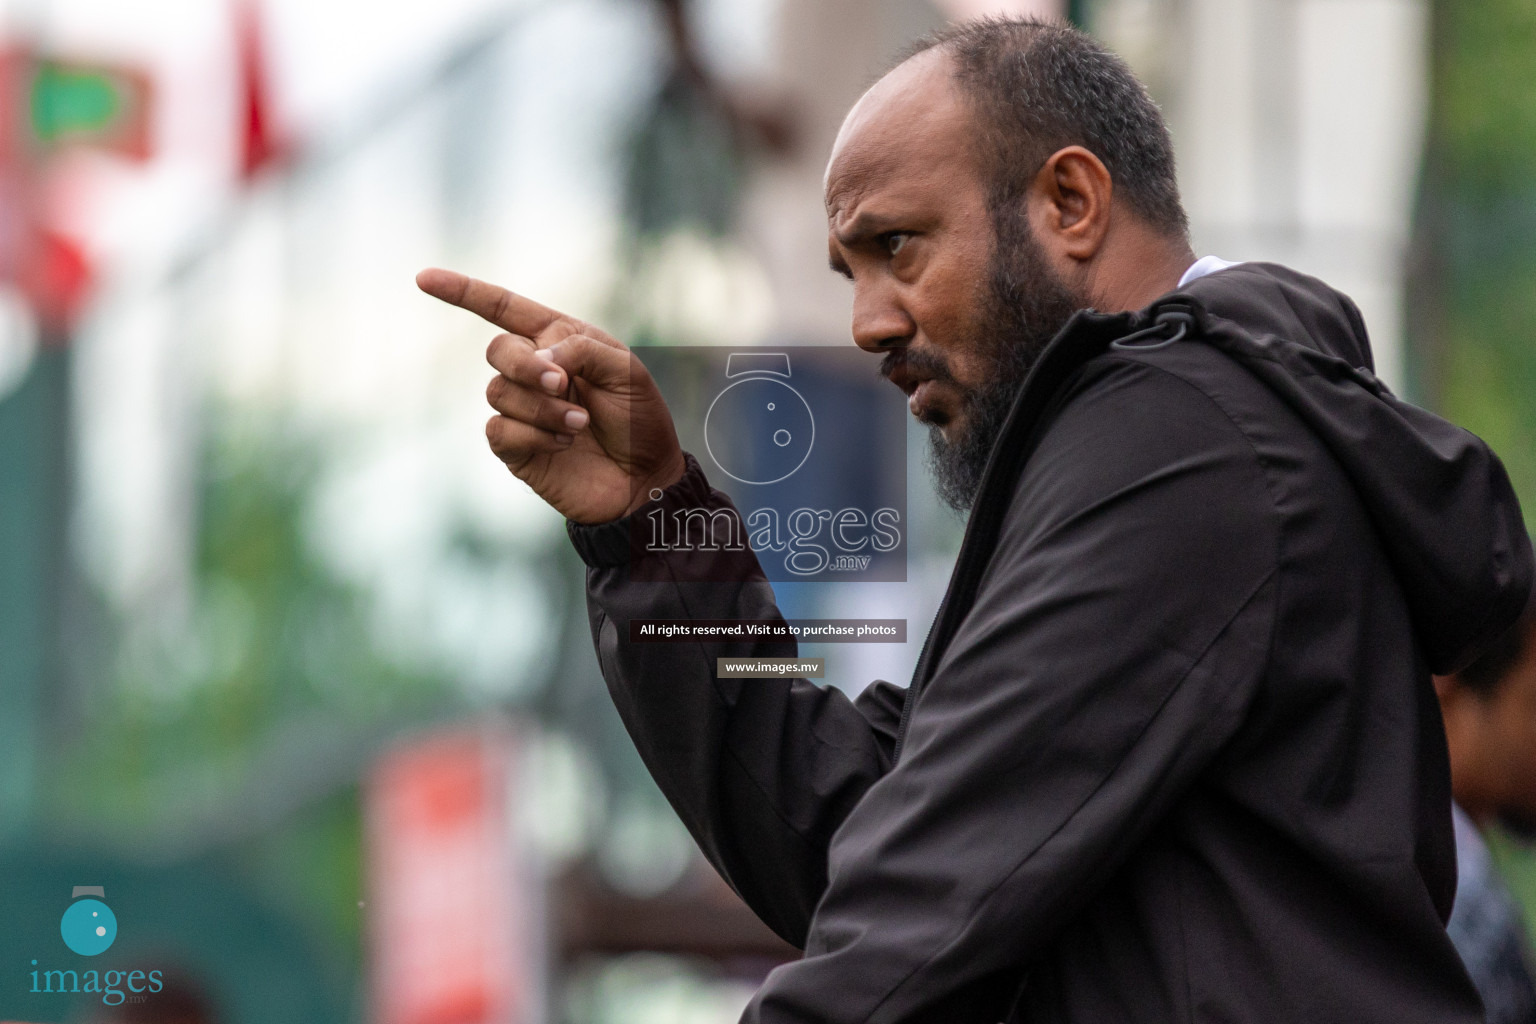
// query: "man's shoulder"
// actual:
[[1161, 402], [1132, 423], [1260, 301], [1187, 408], [1270, 298]]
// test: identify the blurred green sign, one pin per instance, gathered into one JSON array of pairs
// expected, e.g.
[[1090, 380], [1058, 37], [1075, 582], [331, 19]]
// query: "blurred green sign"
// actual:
[[97, 105]]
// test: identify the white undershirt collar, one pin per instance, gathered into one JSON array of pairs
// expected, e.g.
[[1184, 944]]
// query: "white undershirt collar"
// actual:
[[1203, 266]]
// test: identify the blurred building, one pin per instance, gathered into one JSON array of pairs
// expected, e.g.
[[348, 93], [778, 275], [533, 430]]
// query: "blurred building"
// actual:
[[1298, 126]]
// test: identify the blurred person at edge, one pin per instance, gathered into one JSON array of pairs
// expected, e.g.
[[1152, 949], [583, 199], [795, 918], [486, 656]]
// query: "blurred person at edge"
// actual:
[[181, 1000], [1490, 723], [1172, 751]]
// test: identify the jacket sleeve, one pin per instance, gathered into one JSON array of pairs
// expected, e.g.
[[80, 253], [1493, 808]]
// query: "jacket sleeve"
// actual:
[[761, 771], [1116, 640]]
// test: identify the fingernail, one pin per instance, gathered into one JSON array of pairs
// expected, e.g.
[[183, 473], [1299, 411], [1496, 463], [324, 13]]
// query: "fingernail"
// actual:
[[575, 419], [544, 354], [564, 439], [550, 379]]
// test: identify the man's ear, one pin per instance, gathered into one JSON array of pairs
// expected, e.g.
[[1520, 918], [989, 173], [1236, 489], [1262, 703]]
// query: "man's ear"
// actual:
[[1070, 202]]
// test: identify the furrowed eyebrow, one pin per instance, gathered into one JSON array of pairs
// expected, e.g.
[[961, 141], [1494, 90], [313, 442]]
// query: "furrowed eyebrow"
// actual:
[[864, 227]]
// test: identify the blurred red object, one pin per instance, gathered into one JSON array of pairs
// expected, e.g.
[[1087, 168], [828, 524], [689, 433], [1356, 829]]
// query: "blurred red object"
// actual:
[[454, 939], [260, 143], [56, 279]]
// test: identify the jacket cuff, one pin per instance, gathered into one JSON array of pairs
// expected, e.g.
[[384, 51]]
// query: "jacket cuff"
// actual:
[[605, 545]]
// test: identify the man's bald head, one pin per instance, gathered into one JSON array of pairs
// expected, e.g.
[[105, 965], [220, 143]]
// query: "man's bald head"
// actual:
[[912, 103], [1033, 88]]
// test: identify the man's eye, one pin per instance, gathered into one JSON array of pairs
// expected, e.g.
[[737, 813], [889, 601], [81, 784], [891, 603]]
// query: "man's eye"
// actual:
[[895, 240]]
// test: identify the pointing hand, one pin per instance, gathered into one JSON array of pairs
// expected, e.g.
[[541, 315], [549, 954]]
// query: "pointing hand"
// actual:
[[579, 418]]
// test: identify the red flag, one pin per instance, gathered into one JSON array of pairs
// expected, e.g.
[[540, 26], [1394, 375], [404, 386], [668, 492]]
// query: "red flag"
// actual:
[[56, 279], [259, 141]]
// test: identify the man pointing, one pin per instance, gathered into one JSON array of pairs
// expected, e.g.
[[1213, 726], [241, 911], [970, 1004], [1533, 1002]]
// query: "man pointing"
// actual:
[[1171, 752]]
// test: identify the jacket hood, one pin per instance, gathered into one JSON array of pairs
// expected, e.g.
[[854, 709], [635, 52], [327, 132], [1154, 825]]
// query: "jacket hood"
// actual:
[[1439, 498]]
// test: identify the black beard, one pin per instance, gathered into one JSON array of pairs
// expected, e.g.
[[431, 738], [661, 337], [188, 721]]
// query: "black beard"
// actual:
[[1025, 306]]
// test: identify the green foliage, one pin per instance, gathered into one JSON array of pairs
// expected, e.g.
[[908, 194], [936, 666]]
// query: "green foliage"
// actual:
[[1489, 363], [202, 697], [1517, 863], [287, 637], [1484, 98], [1478, 227], [235, 730]]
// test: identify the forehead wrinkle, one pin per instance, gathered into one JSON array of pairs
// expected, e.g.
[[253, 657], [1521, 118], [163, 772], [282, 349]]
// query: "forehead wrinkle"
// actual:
[[910, 119], [884, 187]]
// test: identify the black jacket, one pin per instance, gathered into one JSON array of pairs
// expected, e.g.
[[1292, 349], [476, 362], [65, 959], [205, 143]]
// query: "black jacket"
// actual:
[[1171, 753]]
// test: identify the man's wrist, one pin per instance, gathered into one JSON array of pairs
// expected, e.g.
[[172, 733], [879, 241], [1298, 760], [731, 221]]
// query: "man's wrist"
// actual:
[[609, 544], [659, 481]]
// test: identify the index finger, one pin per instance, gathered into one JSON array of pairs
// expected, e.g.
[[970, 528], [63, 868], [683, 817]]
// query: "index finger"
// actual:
[[507, 310]]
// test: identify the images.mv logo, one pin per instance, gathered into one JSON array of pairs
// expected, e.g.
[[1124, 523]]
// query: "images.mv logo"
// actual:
[[88, 927]]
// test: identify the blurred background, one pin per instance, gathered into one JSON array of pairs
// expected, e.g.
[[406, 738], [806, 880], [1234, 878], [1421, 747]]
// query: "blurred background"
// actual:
[[295, 671]]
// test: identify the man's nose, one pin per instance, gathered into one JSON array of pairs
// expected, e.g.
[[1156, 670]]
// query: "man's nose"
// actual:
[[879, 321]]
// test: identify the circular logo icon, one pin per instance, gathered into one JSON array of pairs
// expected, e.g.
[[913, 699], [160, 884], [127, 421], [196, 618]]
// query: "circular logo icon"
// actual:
[[89, 927], [759, 430]]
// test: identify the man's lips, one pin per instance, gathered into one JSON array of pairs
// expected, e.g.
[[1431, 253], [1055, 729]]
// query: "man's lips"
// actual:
[[919, 399], [903, 376], [933, 402], [923, 379]]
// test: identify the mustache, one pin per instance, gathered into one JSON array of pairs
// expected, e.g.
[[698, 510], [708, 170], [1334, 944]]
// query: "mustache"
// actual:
[[923, 362]]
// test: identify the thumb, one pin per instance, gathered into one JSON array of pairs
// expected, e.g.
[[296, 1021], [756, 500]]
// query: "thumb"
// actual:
[[603, 366]]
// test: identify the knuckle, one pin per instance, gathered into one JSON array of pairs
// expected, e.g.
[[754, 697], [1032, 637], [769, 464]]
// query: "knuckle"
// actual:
[[498, 431], [503, 301], [496, 390]]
